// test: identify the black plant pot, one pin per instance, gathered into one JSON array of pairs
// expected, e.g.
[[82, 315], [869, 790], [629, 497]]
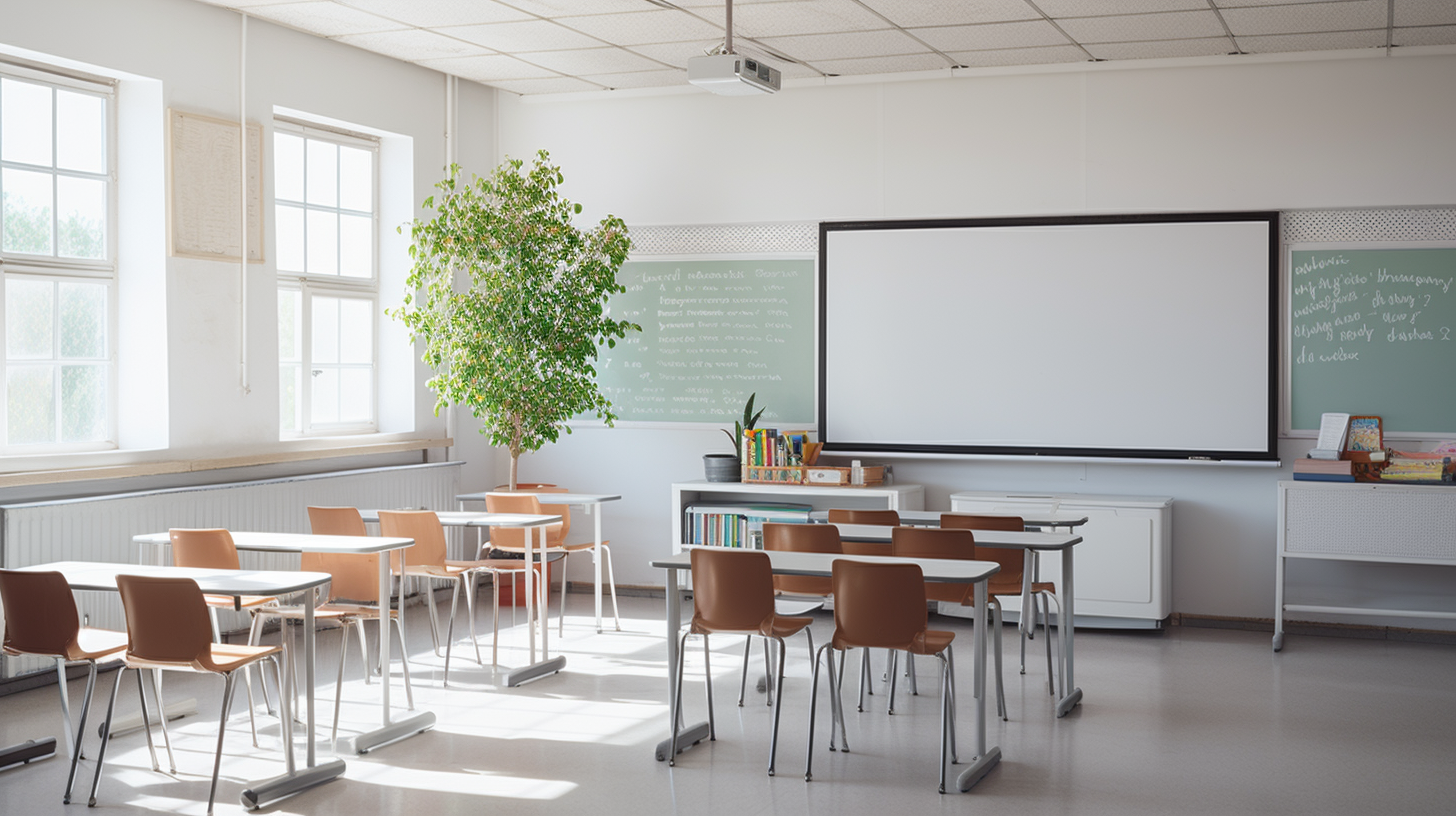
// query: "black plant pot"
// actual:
[[721, 467]]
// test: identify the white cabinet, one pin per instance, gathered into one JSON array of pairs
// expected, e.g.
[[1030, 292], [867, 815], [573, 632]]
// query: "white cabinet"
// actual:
[[820, 497], [1371, 523], [1124, 563]]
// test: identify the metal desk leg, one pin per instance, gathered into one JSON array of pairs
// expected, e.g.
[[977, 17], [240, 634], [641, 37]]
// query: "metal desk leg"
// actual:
[[1066, 631], [548, 665], [687, 737], [295, 780], [986, 758], [1279, 601], [388, 732]]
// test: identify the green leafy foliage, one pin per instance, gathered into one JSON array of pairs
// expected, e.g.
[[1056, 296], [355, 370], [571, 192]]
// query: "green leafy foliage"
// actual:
[[517, 346], [748, 423]]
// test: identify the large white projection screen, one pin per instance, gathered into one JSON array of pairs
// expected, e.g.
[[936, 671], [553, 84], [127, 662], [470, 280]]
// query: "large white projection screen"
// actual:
[[1057, 337]]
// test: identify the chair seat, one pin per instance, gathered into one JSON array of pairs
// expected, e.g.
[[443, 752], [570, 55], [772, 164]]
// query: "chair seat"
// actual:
[[94, 644], [582, 545], [224, 657], [245, 602], [1014, 589], [327, 611]]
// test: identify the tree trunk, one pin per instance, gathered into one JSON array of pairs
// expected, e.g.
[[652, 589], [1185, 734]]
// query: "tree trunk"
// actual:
[[515, 460]]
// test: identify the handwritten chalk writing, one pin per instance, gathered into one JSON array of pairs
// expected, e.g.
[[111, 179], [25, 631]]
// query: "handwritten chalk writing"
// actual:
[[1381, 276], [1316, 264], [1329, 303], [1408, 336]]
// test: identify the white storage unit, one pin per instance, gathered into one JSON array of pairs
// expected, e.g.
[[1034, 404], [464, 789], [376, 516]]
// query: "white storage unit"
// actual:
[[820, 497], [1124, 563], [1369, 523]]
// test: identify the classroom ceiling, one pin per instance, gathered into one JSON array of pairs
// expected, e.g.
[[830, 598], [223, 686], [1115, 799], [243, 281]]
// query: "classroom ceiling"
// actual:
[[532, 47]]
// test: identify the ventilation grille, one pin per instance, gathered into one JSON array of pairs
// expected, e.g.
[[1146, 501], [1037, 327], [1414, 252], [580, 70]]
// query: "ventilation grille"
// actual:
[[733, 239], [1351, 226]]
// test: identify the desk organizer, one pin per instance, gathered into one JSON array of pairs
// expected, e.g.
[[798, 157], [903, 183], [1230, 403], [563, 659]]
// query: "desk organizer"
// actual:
[[764, 474]]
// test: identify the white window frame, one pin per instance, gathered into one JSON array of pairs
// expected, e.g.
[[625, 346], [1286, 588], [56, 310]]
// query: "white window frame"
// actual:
[[58, 269], [336, 286]]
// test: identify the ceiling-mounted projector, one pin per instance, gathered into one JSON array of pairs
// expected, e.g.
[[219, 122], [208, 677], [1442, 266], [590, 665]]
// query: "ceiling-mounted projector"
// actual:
[[733, 75]]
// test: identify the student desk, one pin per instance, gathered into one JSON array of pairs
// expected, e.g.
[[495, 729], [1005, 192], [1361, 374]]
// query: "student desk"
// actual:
[[102, 577], [931, 518], [821, 564], [1068, 695], [591, 504], [459, 518], [339, 545]]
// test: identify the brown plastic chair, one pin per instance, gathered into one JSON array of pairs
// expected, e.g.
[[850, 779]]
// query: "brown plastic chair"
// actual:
[[167, 623], [878, 518], [41, 620], [513, 539], [213, 548], [733, 593], [427, 560], [797, 595], [882, 606], [1009, 581], [953, 544]]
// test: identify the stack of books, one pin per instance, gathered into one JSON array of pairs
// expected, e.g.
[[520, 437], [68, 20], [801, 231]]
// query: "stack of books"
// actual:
[[1324, 470]]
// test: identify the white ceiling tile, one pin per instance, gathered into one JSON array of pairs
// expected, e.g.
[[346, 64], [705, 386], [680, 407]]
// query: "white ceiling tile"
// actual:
[[991, 35], [1425, 12], [431, 13], [1353, 15], [884, 65], [1098, 8], [593, 61], [804, 17], [528, 87], [1162, 49], [640, 79], [1428, 35], [640, 27], [565, 8], [1170, 25], [914, 13], [488, 68], [240, 4], [324, 19], [1330, 41], [675, 54], [413, 45], [811, 47], [1044, 55], [515, 38]]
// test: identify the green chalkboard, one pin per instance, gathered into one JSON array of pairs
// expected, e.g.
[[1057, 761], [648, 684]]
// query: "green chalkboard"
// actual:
[[1373, 331], [714, 331]]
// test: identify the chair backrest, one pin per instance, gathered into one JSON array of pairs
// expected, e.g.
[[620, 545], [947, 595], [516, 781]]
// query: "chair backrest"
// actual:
[[878, 605], [732, 590], [883, 518], [421, 525], [166, 619], [514, 538], [524, 486], [40, 613], [1013, 562], [930, 542], [356, 576], [205, 549], [818, 538]]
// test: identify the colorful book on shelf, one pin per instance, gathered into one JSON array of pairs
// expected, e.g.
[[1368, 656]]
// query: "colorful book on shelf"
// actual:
[[1324, 470]]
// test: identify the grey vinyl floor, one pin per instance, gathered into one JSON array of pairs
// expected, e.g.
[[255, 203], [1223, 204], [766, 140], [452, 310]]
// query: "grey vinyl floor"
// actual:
[[1197, 721]]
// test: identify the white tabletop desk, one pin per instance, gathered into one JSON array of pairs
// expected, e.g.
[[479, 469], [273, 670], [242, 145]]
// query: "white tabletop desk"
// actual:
[[591, 504], [340, 545], [1068, 695], [931, 518], [821, 564], [458, 518], [102, 577]]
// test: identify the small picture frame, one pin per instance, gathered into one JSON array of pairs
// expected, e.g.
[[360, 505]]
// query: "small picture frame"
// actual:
[[1365, 434]]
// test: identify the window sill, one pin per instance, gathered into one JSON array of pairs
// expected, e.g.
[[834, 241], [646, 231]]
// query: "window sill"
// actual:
[[295, 451]]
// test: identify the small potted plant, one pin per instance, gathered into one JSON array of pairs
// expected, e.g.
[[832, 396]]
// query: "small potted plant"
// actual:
[[726, 467]]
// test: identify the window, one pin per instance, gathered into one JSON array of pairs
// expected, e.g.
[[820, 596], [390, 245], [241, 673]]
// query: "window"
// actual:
[[325, 194], [57, 217]]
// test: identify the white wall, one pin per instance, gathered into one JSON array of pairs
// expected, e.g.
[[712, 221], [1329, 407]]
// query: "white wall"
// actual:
[[1299, 134], [192, 49]]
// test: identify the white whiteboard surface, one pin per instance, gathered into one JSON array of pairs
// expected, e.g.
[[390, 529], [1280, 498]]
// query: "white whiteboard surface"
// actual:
[[1139, 339]]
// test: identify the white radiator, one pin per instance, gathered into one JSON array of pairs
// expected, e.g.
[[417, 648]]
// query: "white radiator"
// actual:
[[100, 528]]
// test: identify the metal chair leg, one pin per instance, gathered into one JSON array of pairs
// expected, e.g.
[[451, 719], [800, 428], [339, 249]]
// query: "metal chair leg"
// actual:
[[612, 586], [743, 678], [339, 681], [708, 678], [1000, 687], [162, 715], [561, 615], [147, 719], [227, 699], [449, 632], [409, 692], [71, 741], [677, 698], [894, 666], [105, 739], [773, 741], [471, 582], [768, 675], [80, 732]]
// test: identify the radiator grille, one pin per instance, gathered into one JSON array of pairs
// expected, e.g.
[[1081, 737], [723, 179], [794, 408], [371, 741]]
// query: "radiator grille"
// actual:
[[100, 528]]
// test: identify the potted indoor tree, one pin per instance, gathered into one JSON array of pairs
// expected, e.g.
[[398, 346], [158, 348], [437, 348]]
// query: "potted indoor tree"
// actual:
[[510, 300]]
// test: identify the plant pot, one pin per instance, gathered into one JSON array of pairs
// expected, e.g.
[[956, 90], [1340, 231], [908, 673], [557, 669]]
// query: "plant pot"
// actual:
[[721, 467]]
